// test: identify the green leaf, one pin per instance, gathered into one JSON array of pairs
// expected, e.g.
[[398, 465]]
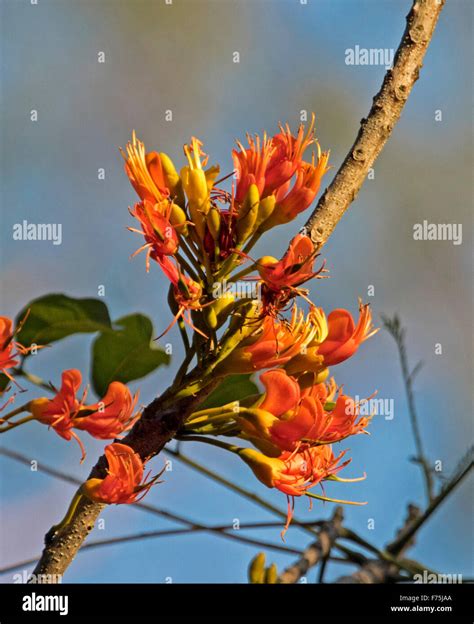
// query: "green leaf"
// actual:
[[54, 317], [125, 354], [232, 388], [4, 381]]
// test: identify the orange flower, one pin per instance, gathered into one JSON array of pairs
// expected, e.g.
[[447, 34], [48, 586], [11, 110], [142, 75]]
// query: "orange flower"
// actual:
[[123, 483], [287, 418], [338, 422], [270, 163], [145, 171], [286, 156], [294, 473], [160, 236], [112, 416], [10, 349], [276, 423], [7, 345], [309, 359], [64, 411], [293, 269], [344, 337], [251, 164], [272, 344], [59, 412], [303, 192]]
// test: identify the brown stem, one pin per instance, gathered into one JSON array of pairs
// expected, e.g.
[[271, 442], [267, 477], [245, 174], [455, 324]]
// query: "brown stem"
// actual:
[[394, 327], [377, 127], [316, 552]]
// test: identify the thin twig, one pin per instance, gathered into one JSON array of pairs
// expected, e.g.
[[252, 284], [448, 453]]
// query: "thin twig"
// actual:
[[134, 537], [461, 471], [386, 568], [239, 490], [192, 526], [395, 329]]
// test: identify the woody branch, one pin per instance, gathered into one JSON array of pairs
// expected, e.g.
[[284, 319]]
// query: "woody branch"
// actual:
[[376, 128], [164, 416]]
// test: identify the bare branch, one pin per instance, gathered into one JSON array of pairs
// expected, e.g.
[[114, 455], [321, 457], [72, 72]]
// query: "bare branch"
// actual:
[[395, 329], [461, 471], [383, 570], [316, 552], [220, 531], [377, 127]]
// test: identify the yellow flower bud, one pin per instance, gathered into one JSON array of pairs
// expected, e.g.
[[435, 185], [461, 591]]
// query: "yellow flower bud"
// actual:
[[262, 466], [195, 186], [248, 214], [219, 310], [210, 317], [271, 574], [256, 571], [173, 181], [214, 222], [266, 208]]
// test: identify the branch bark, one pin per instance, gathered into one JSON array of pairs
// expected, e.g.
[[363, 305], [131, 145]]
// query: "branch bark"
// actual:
[[377, 127], [163, 417], [317, 551]]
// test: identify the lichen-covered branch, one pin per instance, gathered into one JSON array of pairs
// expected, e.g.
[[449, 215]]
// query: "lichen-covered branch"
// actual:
[[377, 127]]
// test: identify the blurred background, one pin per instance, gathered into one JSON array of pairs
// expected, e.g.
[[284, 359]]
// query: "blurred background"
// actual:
[[179, 57]]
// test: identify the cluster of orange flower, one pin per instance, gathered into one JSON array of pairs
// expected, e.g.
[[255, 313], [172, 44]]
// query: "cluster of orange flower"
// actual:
[[295, 421], [65, 413], [201, 234]]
